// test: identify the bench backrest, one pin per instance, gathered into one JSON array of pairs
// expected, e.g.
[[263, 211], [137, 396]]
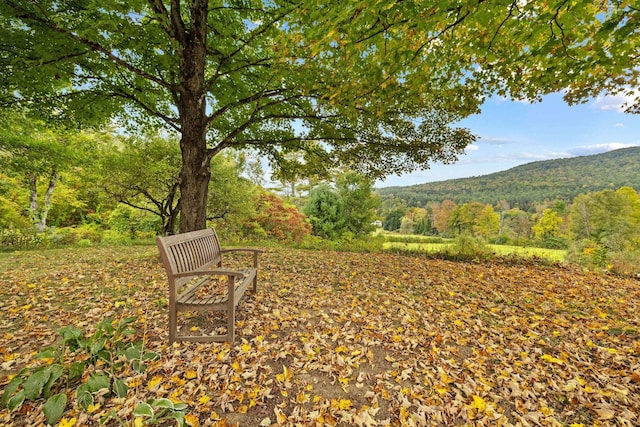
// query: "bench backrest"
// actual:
[[188, 251]]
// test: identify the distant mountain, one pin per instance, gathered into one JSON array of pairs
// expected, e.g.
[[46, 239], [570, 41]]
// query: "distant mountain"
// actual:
[[532, 183]]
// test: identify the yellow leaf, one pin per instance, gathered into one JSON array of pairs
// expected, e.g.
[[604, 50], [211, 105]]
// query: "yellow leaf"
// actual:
[[138, 422], [93, 408], [345, 404], [245, 347], [404, 414], [191, 374], [67, 423], [441, 389], [479, 403], [280, 416], [549, 358], [134, 382], [194, 328], [192, 420], [286, 375], [154, 382], [242, 409], [204, 400], [302, 397]]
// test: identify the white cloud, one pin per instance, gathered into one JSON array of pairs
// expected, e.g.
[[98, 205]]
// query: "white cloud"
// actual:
[[616, 102], [534, 157], [586, 150], [494, 140], [471, 147], [619, 125]]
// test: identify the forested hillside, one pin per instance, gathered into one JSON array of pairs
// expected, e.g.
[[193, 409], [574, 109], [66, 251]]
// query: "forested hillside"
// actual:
[[526, 185]]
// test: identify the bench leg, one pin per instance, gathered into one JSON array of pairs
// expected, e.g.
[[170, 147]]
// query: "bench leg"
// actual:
[[255, 278], [173, 328], [231, 310]]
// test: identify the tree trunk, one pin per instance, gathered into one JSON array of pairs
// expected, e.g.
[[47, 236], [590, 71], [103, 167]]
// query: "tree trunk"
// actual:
[[33, 199], [39, 217], [194, 182], [195, 172], [170, 212]]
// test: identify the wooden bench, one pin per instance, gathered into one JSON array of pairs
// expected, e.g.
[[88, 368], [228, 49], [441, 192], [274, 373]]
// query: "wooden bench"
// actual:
[[192, 260]]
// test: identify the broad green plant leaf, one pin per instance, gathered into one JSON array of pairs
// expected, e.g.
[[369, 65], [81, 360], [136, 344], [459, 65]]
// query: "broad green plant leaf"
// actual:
[[54, 407], [34, 384], [143, 410], [120, 388], [98, 381]]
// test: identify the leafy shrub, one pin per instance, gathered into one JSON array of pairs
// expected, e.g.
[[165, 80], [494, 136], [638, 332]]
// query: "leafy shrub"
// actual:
[[403, 238], [13, 238], [346, 243], [60, 236], [129, 221], [553, 243], [469, 247], [274, 218], [626, 263], [588, 253], [108, 354], [91, 232]]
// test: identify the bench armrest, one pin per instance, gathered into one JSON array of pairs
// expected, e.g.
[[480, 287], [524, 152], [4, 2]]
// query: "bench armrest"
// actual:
[[208, 272], [254, 250]]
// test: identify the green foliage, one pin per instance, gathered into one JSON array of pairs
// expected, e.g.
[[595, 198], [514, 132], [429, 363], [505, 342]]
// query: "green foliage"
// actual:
[[325, 210], [530, 184], [467, 246], [129, 221], [232, 199], [547, 226], [108, 354], [610, 218], [11, 215], [158, 411], [345, 243], [360, 203], [393, 220], [141, 172], [588, 253], [412, 239], [12, 239], [375, 88]]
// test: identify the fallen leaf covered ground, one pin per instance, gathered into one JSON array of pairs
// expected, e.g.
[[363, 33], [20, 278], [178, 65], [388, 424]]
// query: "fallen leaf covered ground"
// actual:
[[349, 339]]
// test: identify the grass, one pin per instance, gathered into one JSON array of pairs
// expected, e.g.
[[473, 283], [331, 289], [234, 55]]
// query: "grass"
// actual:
[[554, 255]]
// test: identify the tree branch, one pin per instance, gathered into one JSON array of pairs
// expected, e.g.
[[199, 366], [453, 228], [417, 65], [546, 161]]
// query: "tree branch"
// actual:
[[95, 46]]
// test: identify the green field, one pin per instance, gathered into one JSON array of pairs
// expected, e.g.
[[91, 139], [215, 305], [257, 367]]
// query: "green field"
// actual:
[[550, 254]]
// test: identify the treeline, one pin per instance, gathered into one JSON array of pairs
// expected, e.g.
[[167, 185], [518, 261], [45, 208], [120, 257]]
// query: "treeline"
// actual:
[[529, 185], [599, 228], [86, 187]]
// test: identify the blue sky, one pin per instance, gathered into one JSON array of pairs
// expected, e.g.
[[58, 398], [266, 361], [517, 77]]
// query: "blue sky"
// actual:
[[512, 133]]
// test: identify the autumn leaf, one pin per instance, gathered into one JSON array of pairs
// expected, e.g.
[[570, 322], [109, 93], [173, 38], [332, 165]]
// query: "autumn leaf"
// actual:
[[551, 359]]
